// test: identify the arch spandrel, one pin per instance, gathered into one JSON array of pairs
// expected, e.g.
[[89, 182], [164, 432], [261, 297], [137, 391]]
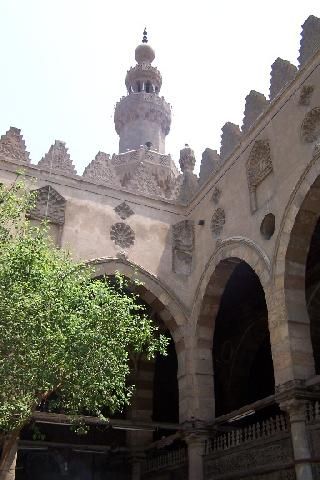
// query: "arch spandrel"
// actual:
[[152, 291]]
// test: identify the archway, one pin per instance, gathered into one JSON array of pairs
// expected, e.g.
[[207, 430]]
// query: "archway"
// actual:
[[155, 403], [242, 360], [289, 313], [228, 255], [302, 280]]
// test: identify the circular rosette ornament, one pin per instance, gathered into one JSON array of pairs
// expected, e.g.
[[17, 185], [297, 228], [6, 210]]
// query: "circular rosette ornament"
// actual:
[[122, 235]]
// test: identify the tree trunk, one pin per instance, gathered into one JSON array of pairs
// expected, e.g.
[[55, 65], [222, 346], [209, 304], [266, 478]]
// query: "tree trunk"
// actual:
[[9, 457]]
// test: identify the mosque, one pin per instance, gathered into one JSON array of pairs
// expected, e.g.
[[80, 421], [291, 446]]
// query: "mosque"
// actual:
[[230, 267]]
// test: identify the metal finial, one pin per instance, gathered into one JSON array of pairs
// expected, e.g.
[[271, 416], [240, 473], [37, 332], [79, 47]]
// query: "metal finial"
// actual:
[[145, 38]]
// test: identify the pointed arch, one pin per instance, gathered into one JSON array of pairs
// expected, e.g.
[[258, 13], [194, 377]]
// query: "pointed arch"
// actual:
[[289, 268], [227, 256], [162, 302]]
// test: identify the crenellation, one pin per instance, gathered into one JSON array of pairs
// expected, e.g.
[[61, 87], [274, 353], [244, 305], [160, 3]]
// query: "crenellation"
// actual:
[[143, 181], [209, 163], [256, 103], [188, 181], [282, 73], [58, 159], [101, 169], [13, 147], [310, 39], [230, 138]]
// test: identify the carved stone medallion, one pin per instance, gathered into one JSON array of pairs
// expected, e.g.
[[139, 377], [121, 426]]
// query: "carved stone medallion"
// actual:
[[217, 222], [124, 211], [122, 235], [310, 128], [259, 166], [49, 205], [216, 194], [182, 246], [306, 94]]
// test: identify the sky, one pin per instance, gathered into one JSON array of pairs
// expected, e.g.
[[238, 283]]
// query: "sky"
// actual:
[[63, 65]]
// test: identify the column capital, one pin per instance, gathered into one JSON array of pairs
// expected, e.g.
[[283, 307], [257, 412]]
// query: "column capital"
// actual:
[[296, 409]]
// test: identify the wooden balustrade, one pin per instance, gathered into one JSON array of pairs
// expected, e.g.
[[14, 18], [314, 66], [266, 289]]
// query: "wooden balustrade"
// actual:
[[256, 431], [169, 459]]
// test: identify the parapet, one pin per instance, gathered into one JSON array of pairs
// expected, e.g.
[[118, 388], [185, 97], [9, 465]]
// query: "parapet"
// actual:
[[100, 169], [230, 138], [209, 163], [282, 73], [310, 39], [58, 159], [256, 103], [13, 147]]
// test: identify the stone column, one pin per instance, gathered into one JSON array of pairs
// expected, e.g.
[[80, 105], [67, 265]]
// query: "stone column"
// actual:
[[299, 435], [137, 458], [196, 450]]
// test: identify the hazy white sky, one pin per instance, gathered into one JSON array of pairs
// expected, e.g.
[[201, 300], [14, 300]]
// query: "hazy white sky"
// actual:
[[63, 64]]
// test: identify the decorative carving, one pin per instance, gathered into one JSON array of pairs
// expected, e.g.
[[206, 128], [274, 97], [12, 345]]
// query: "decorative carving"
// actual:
[[143, 72], [217, 222], [182, 246], [13, 147], [310, 128], [122, 235], [144, 182], [187, 159], [50, 205], [250, 459], [259, 166], [187, 184], [58, 159], [124, 211], [306, 94], [316, 150], [216, 194], [101, 169], [143, 106]]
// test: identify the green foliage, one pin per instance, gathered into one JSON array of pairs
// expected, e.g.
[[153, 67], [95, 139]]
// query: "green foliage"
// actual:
[[62, 335]]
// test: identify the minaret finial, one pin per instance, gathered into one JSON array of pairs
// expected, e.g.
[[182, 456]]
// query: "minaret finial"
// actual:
[[145, 38]]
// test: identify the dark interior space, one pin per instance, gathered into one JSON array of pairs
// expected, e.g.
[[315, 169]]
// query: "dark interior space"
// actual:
[[313, 293], [243, 368]]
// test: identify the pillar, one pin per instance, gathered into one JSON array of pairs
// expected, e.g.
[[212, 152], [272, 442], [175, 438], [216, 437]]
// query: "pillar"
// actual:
[[196, 450], [299, 436]]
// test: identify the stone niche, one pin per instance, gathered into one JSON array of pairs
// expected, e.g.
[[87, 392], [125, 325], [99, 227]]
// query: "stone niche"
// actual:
[[50, 206], [259, 170], [183, 247]]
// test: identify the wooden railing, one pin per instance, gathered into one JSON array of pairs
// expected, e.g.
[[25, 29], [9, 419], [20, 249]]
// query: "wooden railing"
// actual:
[[240, 436], [169, 459], [313, 411]]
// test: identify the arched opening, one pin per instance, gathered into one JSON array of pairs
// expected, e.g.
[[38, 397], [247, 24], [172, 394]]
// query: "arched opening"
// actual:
[[302, 280], [52, 449], [312, 283], [242, 360], [148, 87]]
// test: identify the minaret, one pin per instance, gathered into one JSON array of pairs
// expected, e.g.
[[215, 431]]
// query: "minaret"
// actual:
[[143, 117]]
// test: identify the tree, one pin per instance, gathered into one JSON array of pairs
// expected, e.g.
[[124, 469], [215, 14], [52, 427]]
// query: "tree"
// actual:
[[64, 337]]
